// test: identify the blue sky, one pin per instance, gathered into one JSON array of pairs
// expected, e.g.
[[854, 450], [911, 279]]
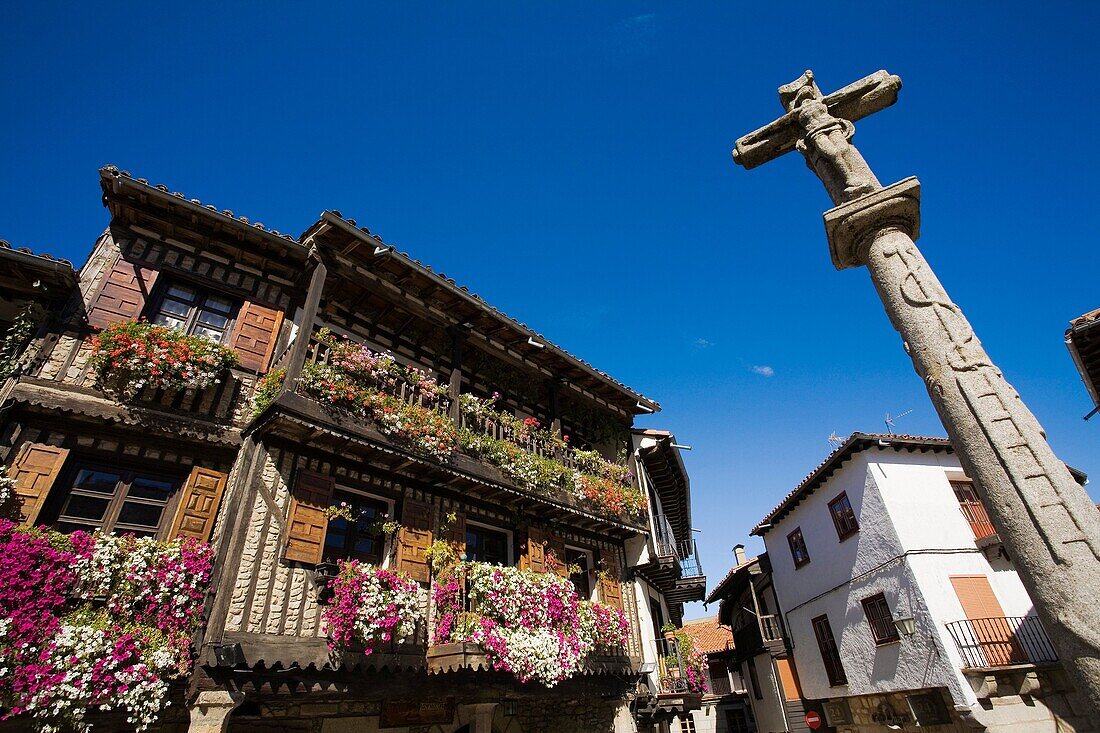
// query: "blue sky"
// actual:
[[569, 161]]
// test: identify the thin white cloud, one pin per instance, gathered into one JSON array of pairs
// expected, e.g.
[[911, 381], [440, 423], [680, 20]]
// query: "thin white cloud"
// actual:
[[763, 370], [702, 343]]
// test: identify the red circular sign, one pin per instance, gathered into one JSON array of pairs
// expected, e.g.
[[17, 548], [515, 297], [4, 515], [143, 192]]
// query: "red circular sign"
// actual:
[[813, 720]]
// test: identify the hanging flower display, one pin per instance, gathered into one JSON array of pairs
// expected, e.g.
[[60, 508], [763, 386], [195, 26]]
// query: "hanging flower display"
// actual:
[[94, 621], [130, 355], [371, 606], [528, 623], [693, 671]]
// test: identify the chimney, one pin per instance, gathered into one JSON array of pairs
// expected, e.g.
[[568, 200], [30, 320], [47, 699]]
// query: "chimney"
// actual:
[[739, 553]]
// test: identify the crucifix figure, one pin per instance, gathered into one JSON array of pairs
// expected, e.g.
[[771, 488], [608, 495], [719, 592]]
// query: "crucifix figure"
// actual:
[[1045, 519]]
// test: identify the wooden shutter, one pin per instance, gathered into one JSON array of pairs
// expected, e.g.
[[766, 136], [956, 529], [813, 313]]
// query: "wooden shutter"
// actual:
[[556, 545], [307, 524], [414, 538], [35, 469], [254, 335], [122, 298], [788, 679], [611, 591], [534, 552], [456, 535], [198, 504]]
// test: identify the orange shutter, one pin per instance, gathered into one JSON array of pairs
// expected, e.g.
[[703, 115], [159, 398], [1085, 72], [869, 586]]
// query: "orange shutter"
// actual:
[[254, 335], [414, 538], [788, 678], [556, 545], [534, 552], [122, 298], [983, 610], [35, 469], [198, 505], [611, 592], [307, 524]]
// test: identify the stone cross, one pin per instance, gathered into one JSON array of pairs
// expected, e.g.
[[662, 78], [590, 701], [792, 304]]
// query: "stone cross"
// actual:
[[1049, 526]]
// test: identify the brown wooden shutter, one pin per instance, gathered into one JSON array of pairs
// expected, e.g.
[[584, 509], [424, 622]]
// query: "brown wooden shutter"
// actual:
[[611, 591], [125, 289], [254, 335], [788, 678], [35, 469], [456, 535], [533, 556], [556, 545], [307, 524], [413, 540], [198, 504]]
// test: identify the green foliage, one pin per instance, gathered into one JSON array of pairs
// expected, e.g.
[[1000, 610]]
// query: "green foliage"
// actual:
[[267, 389], [15, 339]]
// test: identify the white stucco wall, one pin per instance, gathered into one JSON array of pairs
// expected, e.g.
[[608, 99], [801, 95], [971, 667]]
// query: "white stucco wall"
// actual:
[[768, 711], [912, 538]]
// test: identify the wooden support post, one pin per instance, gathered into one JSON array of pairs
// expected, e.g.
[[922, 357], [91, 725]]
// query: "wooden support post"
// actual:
[[305, 328], [458, 344]]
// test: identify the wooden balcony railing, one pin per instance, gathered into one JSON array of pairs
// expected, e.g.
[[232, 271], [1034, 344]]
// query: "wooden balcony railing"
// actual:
[[976, 515], [998, 642]]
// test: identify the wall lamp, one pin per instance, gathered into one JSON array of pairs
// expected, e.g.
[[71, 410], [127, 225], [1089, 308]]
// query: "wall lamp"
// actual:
[[536, 344], [906, 625], [681, 447], [643, 408], [381, 250]]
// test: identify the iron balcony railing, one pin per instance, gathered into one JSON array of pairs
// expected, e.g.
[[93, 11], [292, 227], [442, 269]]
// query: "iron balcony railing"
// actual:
[[663, 538], [690, 564], [999, 642], [677, 673]]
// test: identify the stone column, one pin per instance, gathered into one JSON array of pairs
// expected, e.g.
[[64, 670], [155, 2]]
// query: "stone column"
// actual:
[[210, 711], [1045, 518]]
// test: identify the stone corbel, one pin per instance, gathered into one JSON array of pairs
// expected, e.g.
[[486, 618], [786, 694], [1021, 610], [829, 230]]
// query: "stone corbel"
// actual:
[[210, 710], [966, 715]]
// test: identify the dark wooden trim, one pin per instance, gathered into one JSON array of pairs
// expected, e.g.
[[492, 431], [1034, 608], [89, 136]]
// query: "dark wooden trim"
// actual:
[[305, 328]]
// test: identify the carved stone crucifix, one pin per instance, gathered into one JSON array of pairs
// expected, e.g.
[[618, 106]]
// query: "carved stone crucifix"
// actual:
[[1048, 524]]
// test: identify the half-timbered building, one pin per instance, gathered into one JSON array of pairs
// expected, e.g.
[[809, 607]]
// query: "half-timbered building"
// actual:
[[255, 463]]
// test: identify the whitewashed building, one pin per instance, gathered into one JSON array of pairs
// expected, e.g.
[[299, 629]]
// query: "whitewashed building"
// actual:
[[901, 604]]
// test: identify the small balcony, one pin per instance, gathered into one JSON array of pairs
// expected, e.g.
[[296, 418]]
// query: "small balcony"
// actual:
[[989, 643]]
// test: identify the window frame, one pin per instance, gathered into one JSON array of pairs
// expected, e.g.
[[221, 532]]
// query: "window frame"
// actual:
[[802, 543], [891, 635], [62, 491], [842, 518], [163, 285], [508, 539], [830, 651], [386, 547], [588, 572]]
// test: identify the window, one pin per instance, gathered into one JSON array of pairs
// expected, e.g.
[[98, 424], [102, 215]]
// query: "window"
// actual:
[[360, 537], [195, 311], [798, 548], [844, 517], [880, 619], [115, 501], [486, 545], [656, 616], [582, 559], [830, 654]]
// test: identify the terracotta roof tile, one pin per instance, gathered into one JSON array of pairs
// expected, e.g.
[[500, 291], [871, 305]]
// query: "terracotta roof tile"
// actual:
[[709, 637]]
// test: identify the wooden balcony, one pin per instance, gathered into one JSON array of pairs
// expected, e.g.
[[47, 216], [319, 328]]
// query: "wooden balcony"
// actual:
[[314, 417]]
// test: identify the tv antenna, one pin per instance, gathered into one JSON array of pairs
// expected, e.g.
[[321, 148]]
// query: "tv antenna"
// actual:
[[889, 420], [836, 439]]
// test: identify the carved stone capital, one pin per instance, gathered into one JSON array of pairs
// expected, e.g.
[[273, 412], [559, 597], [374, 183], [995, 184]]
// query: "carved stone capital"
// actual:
[[851, 227]]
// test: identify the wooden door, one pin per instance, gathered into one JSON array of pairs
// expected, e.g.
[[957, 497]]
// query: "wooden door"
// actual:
[[992, 631]]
